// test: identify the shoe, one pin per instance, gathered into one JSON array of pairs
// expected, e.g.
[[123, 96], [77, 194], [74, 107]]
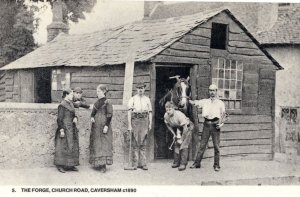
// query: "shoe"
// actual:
[[182, 167], [61, 169], [195, 166], [217, 168], [74, 169], [103, 169], [145, 168], [175, 165]]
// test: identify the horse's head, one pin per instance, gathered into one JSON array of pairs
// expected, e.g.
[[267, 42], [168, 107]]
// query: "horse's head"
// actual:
[[182, 89]]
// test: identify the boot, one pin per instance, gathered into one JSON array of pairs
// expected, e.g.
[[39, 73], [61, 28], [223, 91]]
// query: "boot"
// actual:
[[183, 159]]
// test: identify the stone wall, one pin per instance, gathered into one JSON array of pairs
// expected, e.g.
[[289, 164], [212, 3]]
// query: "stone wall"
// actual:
[[27, 134], [287, 94]]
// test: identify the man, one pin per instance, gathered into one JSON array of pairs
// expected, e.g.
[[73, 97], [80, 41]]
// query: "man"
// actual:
[[176, 120], [139, 123], [78, 100], [213, 111]]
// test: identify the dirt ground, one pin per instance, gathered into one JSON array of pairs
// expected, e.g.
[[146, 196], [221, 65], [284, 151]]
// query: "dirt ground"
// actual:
[[241, 172]]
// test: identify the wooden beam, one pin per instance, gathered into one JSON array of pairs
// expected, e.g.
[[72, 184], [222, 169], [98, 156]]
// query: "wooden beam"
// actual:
[[128, 81], [152, 98]]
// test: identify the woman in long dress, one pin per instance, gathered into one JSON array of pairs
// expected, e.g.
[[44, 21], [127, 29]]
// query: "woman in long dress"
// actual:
[[101, 148], [66, 137]]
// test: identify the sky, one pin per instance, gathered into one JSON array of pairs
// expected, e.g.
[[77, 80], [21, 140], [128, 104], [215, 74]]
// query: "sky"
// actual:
[[105, 14]]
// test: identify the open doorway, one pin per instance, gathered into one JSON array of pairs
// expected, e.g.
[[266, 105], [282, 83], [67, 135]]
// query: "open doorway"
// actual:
[[163, 138], [42, 85]]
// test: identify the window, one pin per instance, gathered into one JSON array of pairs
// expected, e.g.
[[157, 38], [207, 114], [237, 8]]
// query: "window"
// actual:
[[289, 114], [60, 80], [228, 76], [218, 36]]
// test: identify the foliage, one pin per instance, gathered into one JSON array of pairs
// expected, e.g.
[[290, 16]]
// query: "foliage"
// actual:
[[74, 9], [16, 30]]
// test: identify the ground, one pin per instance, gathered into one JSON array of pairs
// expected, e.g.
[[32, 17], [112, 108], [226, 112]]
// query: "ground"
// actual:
[[240, 172]]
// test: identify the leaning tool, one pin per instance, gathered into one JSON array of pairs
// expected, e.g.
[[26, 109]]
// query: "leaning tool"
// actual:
[[129, 164]]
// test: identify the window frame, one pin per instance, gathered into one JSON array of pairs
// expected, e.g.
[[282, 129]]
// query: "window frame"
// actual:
[[215, 79]]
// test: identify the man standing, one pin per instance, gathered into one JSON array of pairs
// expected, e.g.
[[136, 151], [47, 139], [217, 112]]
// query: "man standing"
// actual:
[[213, 111], [78, 100], [139, 123]]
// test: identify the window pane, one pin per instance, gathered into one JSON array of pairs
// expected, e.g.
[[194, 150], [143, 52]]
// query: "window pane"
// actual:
[[226, 94], [239, 85], [226, 84], [239, 75], [233, 74], [232, 84], [239, 94], [232, 95], [226, 104], [227, 64], [214, 73], [231, 104], [233, 64], [237, 104], [227, 74], [221, 73], [221, 84]]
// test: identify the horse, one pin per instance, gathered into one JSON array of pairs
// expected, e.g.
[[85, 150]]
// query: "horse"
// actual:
[[179, 95]]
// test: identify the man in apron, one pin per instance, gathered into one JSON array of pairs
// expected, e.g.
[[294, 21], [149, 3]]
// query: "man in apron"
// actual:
[[139, 124]]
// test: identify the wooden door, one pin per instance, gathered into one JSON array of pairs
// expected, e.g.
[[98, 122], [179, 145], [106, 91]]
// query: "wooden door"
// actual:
[[27, 86]]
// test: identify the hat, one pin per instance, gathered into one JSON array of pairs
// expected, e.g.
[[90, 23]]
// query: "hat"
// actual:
[[67, 90], [102, 87], [140, 85], [78, 90], [213, 87]]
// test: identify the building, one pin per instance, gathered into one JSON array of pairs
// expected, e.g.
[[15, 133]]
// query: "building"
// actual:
[[210, 47], [282, 41]]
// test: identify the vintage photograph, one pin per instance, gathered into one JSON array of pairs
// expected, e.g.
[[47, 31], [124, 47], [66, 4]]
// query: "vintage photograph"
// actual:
[[108, 94]]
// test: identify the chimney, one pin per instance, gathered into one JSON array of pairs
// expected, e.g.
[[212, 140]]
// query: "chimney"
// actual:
[[57, 26], [267, 16], [150, 7]]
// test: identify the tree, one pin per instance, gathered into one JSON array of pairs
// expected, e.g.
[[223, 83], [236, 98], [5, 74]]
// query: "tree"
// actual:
[[74, 9], [16, 30]]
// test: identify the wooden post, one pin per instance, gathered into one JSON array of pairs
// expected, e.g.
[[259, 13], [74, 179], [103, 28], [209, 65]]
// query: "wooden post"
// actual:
[[151, 150], [195, 139], [128, 81]]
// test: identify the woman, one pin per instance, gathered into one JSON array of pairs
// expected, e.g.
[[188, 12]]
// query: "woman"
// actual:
[[101, 148], [66, 138], [176, 120]]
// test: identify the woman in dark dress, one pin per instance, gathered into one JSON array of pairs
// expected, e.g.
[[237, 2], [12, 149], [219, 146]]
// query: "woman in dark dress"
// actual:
[[101, 148], [66, 137]]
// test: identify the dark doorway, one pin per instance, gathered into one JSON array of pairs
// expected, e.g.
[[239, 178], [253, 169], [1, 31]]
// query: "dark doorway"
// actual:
[[42, 85], [163, 137]]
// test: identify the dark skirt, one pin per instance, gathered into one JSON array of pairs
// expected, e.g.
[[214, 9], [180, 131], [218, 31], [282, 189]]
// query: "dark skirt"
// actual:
[[101, 147], [67, 148]]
